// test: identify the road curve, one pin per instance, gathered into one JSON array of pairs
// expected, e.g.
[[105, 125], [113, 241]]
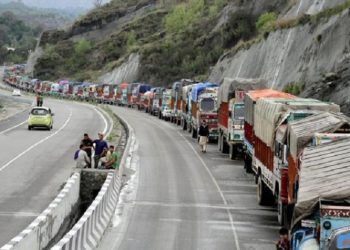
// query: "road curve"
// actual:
[[186, 199], [34, 164]]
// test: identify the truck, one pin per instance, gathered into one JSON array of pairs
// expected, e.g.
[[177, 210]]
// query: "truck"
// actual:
[[157, 101], [250, 99], [121, 95], [137, 95], [204, 107], [177, 98], [186, 109], [231, 113], [290, 142], [165, 111], [109, 93], [129, 97], [321, 214], [271, 119]]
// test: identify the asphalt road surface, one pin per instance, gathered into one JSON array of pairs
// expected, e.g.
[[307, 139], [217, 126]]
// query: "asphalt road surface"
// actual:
[[35, 164], [186, 199]]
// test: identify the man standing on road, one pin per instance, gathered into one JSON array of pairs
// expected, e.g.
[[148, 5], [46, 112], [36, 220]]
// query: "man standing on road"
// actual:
[[87, 142], [203, 136], [83, 160], [100, 144]]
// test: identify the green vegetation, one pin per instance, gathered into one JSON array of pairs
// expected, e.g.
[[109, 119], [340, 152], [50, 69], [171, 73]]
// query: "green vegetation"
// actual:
[[294, 88], [16, 39], [266, 22]]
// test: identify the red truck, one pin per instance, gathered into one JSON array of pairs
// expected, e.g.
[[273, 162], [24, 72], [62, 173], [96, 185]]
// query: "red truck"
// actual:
[[271, 119], [121, 95]]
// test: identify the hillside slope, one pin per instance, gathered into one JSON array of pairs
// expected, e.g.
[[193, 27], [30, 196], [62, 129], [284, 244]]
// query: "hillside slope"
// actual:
[[171, 39]]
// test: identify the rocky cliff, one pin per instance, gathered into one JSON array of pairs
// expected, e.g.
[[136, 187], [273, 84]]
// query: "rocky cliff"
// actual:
[[314, 56]]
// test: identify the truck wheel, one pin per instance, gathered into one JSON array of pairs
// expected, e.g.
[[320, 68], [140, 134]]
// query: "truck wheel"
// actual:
[[282, 214], [233, 152], [247, 164], [264, 195], [184, 125], [225, 148], [194, 133]]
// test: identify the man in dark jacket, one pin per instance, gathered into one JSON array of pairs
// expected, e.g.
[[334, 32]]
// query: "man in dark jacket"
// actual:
[[203, 136]]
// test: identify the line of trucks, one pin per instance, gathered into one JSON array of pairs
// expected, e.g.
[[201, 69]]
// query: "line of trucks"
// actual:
[[297, 148]]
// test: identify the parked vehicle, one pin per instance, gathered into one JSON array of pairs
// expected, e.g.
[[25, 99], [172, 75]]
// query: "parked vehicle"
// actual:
[[166, 104], [109, 93], [231, 113], [137, 95], [250, 99], [156, 101], [186, 109], [204, 107], [271, 118], [314, 130], [121, 95], [177, 99], [131, 89], [321, 215]]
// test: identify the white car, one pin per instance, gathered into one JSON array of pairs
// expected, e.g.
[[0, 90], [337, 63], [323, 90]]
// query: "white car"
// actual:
[[16, 92]]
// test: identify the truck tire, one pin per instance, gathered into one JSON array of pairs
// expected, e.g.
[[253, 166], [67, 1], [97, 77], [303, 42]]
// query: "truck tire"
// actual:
[[233, 152], [219, 142], [247, 163], [194, 133], [282, 214], [225, 148], [184, 125], [264, 194]]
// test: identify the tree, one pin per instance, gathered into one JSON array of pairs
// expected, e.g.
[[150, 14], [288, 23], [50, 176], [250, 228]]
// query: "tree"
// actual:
[[97, 3]]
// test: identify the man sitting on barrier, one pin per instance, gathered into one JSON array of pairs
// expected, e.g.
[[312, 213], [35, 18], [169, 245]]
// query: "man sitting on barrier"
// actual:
[[112, 159]]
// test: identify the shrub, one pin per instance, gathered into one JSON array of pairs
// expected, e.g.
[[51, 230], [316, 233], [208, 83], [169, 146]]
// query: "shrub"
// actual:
[[266, 22]]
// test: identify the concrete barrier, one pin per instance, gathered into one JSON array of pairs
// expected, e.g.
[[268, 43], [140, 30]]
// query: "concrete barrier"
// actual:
[[45, 227], [88, 231]]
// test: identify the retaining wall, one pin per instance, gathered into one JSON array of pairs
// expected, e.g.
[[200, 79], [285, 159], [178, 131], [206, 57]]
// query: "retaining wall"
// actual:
[[45, 227]]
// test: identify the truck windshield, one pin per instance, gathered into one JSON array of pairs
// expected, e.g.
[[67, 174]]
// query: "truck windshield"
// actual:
[[238, 113], [207, 104]]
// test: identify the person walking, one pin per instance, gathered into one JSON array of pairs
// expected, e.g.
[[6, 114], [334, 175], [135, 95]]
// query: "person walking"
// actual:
[[100, 144], [82, 160], [203, 136], [87, 143]]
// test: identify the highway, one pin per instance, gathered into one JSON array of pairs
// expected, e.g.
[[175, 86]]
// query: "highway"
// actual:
[[188, 200], [35, 164]]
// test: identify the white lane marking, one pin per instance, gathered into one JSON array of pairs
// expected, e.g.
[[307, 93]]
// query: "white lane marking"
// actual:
[[233, 228], [9, 129], [198, 205], [234, 231], [38, 143], [19, 214], [104, 120]]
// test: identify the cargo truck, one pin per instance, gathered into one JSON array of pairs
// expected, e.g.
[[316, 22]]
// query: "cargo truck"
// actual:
[[131, 88], [321, 217], [109, 93], [121, 95], [186, 114], [157, 101], [231, 113], [165, 112], [271, 118], [204, 107], [250, 99], [290, 142]]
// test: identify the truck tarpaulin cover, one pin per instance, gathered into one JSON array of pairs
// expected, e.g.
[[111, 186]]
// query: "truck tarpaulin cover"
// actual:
[[301, 132], [229, 85], [268, 113], [253, 95], [198, 88], [143, 88], [324, 174]]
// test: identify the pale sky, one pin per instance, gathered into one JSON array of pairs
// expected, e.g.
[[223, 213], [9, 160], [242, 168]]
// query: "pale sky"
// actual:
[[58, 4]]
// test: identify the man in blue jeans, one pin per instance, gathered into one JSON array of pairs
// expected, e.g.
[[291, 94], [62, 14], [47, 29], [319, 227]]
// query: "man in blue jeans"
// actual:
[[100, 144]]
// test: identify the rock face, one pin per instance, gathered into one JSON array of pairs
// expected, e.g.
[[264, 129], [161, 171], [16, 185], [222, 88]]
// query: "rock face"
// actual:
[[127, 72], [304, 54]]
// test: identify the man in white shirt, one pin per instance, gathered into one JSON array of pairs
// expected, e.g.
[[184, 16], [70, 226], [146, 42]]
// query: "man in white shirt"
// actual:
[[83, 159]]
